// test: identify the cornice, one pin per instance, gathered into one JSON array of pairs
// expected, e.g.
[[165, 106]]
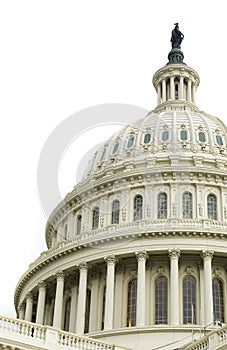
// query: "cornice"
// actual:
[[140, 177], [143, 229]]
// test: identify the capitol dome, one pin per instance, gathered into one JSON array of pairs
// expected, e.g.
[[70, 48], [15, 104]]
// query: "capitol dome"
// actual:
[[136, 253]]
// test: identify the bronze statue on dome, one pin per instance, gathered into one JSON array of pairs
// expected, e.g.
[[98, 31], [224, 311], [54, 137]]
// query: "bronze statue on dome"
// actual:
[[176, 37]]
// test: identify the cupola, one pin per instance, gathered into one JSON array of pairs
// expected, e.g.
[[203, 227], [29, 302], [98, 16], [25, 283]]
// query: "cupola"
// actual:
[[176, 81]]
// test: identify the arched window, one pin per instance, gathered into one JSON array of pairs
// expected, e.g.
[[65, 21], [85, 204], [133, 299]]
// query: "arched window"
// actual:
[[131, 306], [115, 212], [162, 205], [212, 207], [95, 218], [78, 224], [218, 304], [87, 311], [189, 300], [187, 205], [161, 300], [138, 208], [67, 314]]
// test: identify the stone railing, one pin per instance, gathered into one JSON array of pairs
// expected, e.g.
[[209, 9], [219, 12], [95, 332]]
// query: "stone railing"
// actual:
[[215, 340], [188, 227], [33, 336]]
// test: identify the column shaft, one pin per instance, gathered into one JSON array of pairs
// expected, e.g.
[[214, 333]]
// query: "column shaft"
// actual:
[[41, 303], [181, 96], [208, 294], [163, 90], [174, 289], [141, 290], [172, 88], [81, 305], [29, 307], [58, 305], [109, 302], [159, 94], [189, 91]]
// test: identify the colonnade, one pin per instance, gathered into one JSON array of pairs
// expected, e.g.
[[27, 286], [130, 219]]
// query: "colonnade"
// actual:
[[176, 88], [78, 301]]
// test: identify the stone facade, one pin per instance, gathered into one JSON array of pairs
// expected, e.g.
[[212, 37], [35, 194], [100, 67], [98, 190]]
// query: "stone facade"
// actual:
[[137, 251]]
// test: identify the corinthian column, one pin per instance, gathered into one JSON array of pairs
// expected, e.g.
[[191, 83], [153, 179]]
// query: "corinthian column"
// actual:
[[174, 255], [21, 310], [58, 305], [29, 306], [141, 290], [80, 319], [41, 303], [207, 256], [109, 302]]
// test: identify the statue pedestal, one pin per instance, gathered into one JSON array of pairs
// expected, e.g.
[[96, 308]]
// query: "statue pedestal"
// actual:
[[175, 56]]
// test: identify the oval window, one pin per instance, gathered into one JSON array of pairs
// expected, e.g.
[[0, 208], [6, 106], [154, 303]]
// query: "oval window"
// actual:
[[116, 146], [165, 135], [147, 138], [219, 140], [130, 141], [183, 135], [202, 137]]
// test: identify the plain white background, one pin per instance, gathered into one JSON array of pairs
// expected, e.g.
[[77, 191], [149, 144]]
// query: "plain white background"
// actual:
[[58, 57]]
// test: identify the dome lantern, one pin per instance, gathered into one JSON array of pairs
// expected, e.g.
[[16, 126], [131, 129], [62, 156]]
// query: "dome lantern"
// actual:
[[176, 81]]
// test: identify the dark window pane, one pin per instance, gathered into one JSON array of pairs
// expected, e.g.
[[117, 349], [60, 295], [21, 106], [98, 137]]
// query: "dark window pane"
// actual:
[[183, 135], [138, 208], [161, 296], [95, 218], [219, 140], [189, 300], [131, 307], [165, 135], [212, 207], [187, 205], [115, 212], [130, 141], [202, 137], [162, 206], [116, 146], [147, 138]]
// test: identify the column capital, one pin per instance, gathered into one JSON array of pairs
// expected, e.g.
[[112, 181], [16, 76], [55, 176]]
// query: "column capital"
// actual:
[[29, 296], [83, 266], [111, 259], [174, 253], [21, 307], [141, 255], [42, 285], [60, 275], [207, 254]]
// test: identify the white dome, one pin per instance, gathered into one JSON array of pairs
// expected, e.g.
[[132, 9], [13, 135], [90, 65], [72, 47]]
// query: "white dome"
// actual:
[[183, 132]]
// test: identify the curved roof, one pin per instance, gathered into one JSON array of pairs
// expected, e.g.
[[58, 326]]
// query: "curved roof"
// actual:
[[182, 132]]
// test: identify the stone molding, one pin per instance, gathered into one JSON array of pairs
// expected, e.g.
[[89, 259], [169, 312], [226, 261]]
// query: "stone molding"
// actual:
[[141, 255], [174, 253], [207, 254]]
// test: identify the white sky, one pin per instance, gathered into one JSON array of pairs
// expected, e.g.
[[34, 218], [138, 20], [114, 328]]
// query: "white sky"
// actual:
[[58, 57]]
